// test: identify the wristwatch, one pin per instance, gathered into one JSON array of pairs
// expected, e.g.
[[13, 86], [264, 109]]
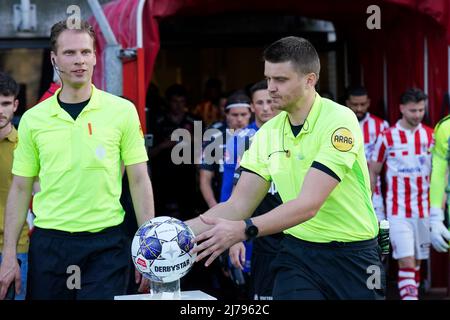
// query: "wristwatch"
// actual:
[[251, 231]]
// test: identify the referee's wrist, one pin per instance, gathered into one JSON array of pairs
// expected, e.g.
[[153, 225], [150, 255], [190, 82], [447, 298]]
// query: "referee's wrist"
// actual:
[[242, 230]]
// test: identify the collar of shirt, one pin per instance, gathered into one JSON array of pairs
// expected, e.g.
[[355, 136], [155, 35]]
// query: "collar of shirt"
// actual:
[[310, 120], [253, 126], [366, 117], [399, 126], [94, 103], [12, 136]]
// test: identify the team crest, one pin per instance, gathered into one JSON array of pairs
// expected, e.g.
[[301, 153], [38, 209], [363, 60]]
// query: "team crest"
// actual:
[[422, 160], [342, 139]]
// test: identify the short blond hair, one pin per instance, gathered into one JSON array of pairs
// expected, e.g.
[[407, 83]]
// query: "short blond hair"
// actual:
[[61, 26]]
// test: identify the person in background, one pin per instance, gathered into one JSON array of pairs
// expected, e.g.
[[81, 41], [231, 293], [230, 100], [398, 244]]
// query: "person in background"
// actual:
[[176, 182], [76, 142], [9, 90], [237, 110], [405, 148], [371, 126], [263, 249], [440, 176], [209, 108]]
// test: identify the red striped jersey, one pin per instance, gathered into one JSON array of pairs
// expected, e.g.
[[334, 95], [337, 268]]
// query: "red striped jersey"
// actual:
[[371, 127], [408, 161]]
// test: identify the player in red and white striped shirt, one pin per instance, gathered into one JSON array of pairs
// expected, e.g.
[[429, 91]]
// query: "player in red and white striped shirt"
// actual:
[[371, 126], [405, 148]]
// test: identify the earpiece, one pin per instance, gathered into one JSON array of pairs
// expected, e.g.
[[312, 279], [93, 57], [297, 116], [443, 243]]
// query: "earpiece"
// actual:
[[56, 66]]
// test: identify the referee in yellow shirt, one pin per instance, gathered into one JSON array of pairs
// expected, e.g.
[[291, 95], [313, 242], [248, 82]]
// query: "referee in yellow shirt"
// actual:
[[313, 151], [75, 142], [440, 185]]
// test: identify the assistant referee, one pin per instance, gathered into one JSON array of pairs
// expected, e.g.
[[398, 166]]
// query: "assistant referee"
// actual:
[[440, 235], [313, 151], [75, 142]]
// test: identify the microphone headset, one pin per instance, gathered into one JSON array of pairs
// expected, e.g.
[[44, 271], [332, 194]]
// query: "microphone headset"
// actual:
[[56, 66]]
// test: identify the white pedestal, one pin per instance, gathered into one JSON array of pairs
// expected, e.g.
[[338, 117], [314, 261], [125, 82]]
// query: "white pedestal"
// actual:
[[183, 295]]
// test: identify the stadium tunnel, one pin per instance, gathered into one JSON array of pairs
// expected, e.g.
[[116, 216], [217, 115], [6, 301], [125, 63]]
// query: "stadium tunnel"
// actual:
[[410, 49]]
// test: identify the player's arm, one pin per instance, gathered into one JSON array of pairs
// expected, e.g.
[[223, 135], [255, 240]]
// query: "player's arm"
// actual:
[[141, 192], [439, 166], [142, 195], [438, 181], [316, 187], [246, 197], [15, 216], [376, 162], [374, 171], [440, 235], [206, 177]]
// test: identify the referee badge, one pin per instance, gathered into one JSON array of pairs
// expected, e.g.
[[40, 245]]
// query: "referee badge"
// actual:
[[342, 139]]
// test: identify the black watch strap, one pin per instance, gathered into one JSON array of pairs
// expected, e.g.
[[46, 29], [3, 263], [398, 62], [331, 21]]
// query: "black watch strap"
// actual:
[[251, 231]]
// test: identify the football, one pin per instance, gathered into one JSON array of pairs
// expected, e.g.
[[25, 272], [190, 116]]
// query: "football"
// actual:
[[160, 249]]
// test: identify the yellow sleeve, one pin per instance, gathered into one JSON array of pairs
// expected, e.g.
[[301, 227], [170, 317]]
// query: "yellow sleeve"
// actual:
[[26, 156], [256, 157], [132, 145], [439, 172], [340, 144]]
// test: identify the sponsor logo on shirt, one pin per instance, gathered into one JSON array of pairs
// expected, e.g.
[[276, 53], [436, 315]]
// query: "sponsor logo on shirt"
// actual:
[[342, 139]]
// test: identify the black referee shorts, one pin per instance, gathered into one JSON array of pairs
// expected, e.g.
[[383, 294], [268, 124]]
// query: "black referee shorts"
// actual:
[[262, 277], [328, 271], [77, 266]]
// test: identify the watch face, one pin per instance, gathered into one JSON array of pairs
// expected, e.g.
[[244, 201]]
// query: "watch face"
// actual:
[[252, 231]]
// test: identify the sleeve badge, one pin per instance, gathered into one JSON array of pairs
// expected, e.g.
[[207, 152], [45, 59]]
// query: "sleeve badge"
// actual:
[[342, 139]]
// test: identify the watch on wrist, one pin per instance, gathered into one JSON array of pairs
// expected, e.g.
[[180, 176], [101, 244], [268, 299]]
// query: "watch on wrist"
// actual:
[[251, 231]]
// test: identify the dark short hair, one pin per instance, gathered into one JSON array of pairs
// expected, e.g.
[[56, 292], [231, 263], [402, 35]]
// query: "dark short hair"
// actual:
[[176, 90], [237, 97], [8, 86], [260, 85], [297, 50], [357, 91], [61, 26], [413, 95]]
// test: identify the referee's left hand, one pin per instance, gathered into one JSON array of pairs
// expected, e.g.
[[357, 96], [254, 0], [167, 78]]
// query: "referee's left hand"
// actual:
[[223, 234]]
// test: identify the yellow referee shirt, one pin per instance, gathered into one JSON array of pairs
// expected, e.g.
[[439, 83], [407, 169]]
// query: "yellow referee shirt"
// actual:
[[330, 136], [78, 161], [441, 160]]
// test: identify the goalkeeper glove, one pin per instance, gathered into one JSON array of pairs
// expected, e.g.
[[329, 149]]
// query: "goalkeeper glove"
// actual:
[[440, 236]]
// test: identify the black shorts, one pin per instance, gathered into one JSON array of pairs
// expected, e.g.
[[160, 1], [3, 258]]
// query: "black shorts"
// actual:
[[335, 271], [55, 257], [262, 277]]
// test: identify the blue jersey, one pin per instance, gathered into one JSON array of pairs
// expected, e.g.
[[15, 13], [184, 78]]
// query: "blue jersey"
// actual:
[[234, 149]]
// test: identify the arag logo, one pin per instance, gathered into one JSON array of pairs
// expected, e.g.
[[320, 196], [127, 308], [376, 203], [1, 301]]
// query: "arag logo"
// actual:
[[342, 139]]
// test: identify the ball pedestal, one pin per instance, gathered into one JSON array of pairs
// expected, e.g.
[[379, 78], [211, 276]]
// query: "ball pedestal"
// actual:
[[167, 290]]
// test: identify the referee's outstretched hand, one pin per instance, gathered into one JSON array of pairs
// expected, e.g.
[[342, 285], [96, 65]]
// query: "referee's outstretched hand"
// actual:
[[222, 235], [9, 272]]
